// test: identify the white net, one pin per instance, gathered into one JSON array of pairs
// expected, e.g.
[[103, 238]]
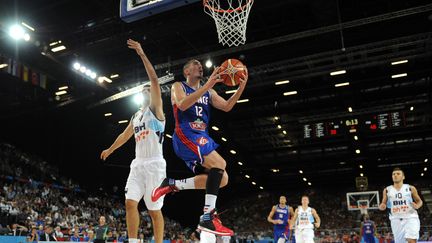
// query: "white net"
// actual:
[[231, 18]]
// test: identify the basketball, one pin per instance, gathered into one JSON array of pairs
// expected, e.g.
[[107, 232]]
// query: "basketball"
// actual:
[[231, 71]]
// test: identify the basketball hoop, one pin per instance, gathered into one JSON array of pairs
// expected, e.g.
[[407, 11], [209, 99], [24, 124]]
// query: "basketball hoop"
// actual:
[[230, 18], [363, 209]]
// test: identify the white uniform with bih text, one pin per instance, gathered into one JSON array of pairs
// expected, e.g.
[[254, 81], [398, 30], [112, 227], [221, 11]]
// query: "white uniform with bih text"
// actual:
[[404, 219], [304, 232], [148, 169]]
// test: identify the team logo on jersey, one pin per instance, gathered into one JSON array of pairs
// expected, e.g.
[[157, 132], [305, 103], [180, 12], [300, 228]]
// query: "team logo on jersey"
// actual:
[[202, 141], [198, 125]]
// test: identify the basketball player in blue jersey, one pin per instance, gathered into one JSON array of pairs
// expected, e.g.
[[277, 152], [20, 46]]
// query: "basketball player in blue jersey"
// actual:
[[191, 103], [368, 230], [398, 198], [304, 220], [148, 169], [279, 216]]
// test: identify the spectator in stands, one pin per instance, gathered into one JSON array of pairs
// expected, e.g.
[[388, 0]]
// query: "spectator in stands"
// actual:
[[58, 233], [48, 235], [33, 236], [75, 237], [18, 230]]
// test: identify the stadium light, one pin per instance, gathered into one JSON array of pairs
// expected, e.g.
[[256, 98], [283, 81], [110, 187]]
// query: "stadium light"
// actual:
[[168, 135], [63, 87], [247, 176], [290, 93], [114, 75], [338, 72], [233, 151], [108, 114], [282, 82], [122, 121], [58, 48], [399, 62], [62, 92], [239, 163], [224, 139], [342, 84], [28, 26], [16, 32], [215, 128], [279, 126], [243, 101], [3, 65], [138, 98], [262, 188], [208, 64], [399, 75], [230, 91], [253, 183]]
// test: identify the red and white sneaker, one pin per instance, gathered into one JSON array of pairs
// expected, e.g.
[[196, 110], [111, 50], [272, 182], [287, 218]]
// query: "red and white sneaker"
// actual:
[[211, 223], [167, 186]]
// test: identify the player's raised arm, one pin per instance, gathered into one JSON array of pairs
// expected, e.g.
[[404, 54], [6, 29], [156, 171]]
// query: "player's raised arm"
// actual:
[[120, 140], [184, 101], [155, 91], [226, 105], [383, 204], [417, 200]]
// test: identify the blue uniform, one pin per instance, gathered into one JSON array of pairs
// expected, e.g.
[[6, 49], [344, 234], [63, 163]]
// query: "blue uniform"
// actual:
[[368, 231], [191, 140], [281, 230]]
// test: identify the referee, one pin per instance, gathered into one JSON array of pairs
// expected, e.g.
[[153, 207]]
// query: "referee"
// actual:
[[101, 231]]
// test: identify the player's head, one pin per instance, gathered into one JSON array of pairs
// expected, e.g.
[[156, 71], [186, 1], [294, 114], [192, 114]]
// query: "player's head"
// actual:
[[365, 217], [146, 95], [193, 70], [398, 175], [102, 220], [305, 200], [282, 200]]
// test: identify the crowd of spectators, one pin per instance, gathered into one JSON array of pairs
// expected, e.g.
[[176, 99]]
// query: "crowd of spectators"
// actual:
[[35, 201]]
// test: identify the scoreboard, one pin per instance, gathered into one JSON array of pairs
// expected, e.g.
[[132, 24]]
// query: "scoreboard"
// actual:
[[368, 123]]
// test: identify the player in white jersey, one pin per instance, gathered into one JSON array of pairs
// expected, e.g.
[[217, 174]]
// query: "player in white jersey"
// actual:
[[148, 169], [403, 215], [304, 220]]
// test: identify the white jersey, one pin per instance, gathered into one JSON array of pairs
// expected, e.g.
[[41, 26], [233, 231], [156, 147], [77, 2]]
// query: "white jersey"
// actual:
[[305, 219], [399, 202], [149, 134]]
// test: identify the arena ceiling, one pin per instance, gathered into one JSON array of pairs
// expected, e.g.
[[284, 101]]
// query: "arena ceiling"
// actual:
[[275, 135]]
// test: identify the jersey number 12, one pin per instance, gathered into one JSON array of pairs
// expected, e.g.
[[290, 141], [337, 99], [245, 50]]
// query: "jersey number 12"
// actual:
[[198, 110]]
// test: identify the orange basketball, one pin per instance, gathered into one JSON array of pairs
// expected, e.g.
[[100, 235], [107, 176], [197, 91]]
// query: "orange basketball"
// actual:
[[231, 71]]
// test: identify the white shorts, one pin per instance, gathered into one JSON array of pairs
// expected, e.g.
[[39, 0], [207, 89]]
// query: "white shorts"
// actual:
[[304, 235], [144, 176], [405, 229]]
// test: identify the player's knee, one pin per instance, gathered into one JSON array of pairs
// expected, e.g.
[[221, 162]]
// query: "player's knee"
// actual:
[[131, 205], [224, 180], [156, 214], [220, 164]]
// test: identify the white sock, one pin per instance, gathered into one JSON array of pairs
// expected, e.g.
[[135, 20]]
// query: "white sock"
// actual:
[[132, 240], [210, 202], [185, 184]]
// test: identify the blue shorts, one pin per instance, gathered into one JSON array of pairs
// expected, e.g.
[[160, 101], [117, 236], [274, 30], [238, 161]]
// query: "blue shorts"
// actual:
[[191, 147], [368, 238], [281, 232]]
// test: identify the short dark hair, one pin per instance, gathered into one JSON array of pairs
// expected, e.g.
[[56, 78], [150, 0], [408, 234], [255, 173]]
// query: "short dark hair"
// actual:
[[187, 64], [398, 169]]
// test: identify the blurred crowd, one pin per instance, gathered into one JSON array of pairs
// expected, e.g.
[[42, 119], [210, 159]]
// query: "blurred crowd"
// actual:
[[35, 201]]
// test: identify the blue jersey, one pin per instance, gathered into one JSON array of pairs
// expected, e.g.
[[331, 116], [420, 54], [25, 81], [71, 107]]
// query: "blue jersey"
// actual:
[[196, 118], [191, 141], [368, 228], [281, 213]]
